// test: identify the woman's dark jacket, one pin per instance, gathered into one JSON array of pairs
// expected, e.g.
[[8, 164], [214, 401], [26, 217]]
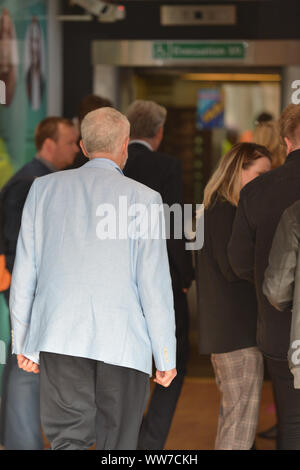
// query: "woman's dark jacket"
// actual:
[[227, 308]]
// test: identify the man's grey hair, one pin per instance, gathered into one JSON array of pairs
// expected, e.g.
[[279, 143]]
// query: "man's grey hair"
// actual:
[[104, 131], [146, 118]]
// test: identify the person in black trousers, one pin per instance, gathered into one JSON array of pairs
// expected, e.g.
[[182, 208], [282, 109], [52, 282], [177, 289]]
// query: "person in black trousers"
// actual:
[[162, 173], [260, 208], [227, 308], [55, 140]]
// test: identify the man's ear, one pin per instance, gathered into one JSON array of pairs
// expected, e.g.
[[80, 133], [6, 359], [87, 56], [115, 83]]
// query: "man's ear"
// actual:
[[159, 136], [159, 133], [288, 144], [48, 147], [126, 143], [125, 153], [83, 149]]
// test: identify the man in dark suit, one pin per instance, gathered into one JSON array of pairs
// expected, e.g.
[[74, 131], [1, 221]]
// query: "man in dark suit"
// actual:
[[162, 173], [262, 203], [56, 143]]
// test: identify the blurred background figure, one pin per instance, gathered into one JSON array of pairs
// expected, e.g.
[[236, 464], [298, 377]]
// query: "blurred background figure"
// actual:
[[9, 58], [35, 71], [231, 138], [263, 118], [88, 104], [92, 102], [227, 306], [162, 173], [268, 134], [247, 136], [56, 144]]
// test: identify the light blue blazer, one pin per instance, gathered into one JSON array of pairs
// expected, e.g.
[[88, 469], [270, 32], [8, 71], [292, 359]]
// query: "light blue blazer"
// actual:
[[74, 293]]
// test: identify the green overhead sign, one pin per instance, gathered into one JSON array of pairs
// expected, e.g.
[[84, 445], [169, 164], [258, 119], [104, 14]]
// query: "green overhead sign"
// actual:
[[198, 50]]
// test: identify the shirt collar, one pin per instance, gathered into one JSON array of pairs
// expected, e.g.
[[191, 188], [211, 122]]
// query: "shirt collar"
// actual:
[[142, 142], [48, 164], [103, 163]]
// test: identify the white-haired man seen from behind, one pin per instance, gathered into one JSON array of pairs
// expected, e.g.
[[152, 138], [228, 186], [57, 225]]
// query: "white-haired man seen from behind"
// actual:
[[88, 311]]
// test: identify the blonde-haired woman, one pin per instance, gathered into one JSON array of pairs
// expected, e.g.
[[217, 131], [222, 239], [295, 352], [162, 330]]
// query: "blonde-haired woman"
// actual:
[[227, 305], [268, 135]]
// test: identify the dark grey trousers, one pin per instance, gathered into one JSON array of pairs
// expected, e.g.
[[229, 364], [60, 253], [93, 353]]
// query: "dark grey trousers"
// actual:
[[83, 401]]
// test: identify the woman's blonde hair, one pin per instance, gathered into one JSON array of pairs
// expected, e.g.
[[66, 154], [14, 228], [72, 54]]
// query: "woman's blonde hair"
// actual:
[[268, 134], [225, 182]]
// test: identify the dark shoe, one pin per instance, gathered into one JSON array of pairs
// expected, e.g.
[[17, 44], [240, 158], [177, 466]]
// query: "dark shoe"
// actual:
[[270, 433]]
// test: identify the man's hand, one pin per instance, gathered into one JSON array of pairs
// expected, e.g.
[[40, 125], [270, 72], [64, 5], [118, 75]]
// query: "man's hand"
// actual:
[[27, 365], [165, 378]]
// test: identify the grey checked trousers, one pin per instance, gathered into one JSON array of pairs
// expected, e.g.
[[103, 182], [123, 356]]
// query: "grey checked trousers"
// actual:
[[239, 376]]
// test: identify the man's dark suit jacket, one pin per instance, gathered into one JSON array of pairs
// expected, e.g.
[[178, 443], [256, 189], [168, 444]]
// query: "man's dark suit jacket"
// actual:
[[262, 203], [12, 200], [163, 174]]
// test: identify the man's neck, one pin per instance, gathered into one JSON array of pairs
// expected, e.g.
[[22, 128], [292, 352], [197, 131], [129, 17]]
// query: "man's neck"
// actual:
[[147, 142]]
